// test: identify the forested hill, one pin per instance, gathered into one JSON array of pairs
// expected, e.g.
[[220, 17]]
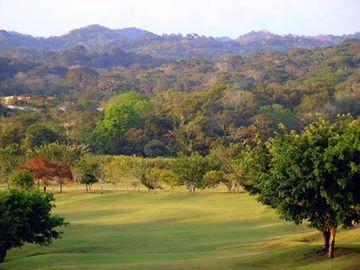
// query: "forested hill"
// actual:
[[75, 70], [98, 38], [179, 106]]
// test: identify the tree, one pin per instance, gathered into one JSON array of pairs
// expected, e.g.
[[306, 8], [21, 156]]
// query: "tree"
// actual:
[[44, 170], [156, 177], [10, 158], [65, 156], [26, 218], [139, 169], [155, 148], [122, 113], [62, 174], [228, 162], [311, 176], [88, 178], [39, 134], [115, 171], [191, 170], [214, 177], [277, 114], [61, 153], [89, 171], [22, 180]]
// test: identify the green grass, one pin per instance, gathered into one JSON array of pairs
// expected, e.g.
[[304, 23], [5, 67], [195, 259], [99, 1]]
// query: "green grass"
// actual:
[[179, 230]]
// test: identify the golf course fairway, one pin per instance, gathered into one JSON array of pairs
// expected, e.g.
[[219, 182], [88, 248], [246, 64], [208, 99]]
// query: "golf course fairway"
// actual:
[[180, 230]]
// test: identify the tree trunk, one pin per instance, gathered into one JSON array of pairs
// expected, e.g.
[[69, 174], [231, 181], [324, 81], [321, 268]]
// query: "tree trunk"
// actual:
[[44, 189], [101, 187], [228, 185], [233, 186], [191, 187], [2, 254], [87, 189], [60, 187], [326, 237], [332, 242]]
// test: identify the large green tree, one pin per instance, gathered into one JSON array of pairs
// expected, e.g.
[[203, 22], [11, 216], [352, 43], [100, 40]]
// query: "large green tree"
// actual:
[[25, 217], [313, 175], [122, 113]]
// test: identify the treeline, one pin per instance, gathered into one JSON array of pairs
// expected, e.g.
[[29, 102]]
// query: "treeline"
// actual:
[[58, 164]]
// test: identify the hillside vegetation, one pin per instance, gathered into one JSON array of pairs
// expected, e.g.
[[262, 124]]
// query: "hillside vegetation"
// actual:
[[184, 105]]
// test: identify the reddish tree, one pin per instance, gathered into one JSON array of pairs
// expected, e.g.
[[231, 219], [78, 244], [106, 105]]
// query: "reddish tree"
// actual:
[[62, 174], [45, 171]]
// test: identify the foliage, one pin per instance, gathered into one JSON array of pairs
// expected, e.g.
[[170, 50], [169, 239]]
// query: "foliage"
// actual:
[[89, 171], [40, 134], [45, 171], [10, 159], [191, 170], [61, 153], [313, 175], [230, 173], [26, 218], [182, 106], [213, 178], [122, 113], [155, 148], [22, 180], [157, 178], [116, 171]]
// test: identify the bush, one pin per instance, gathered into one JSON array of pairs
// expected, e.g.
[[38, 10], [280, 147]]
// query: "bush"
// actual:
[[22, 180]]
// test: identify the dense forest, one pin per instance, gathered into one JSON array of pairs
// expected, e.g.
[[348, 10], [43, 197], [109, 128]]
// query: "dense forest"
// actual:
[[164, 108]]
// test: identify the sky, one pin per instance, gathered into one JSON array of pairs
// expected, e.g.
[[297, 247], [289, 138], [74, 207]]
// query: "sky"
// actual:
[[204, 17]]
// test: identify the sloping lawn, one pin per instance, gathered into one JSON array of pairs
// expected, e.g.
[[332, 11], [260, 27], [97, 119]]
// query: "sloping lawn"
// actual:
[[179, 230]]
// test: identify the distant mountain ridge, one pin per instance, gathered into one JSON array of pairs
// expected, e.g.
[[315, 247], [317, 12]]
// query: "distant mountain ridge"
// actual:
[[167, 46]]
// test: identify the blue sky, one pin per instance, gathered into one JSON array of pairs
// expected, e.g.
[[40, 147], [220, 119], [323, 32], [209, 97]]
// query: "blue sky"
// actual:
[[207, 17]]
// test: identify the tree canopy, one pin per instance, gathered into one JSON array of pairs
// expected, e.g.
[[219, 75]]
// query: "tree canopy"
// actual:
[[191, 170], [26, 218], [313, 175]]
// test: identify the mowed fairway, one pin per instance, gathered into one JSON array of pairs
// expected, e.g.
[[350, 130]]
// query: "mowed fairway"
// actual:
[[179, 230]]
